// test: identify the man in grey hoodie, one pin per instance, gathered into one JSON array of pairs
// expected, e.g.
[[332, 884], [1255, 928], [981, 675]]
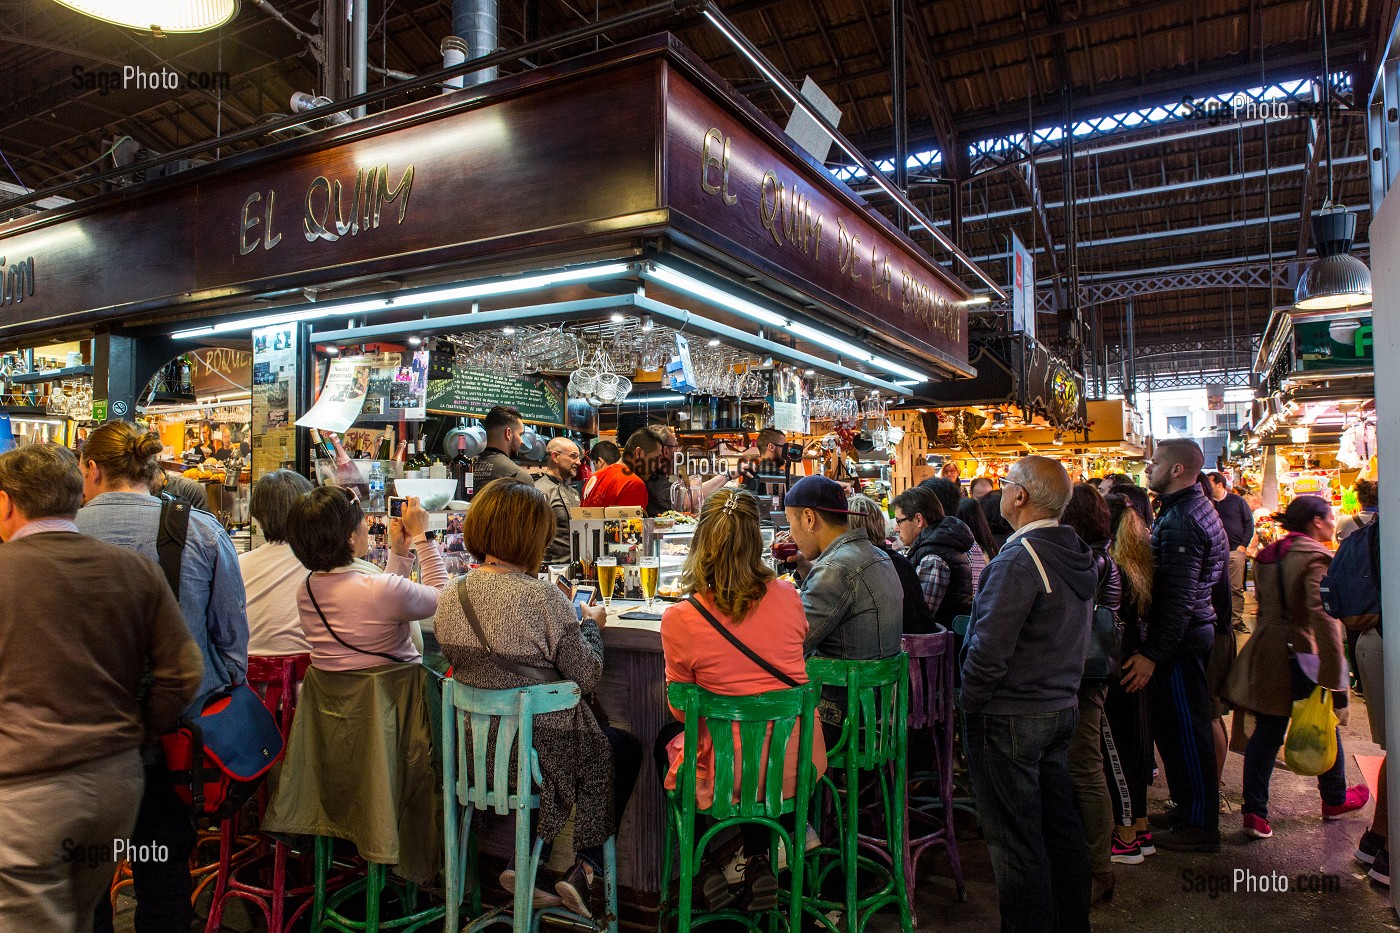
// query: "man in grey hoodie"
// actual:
[[1021, 669]]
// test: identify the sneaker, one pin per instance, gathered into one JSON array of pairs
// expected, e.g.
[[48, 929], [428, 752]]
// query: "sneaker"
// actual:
[[1189, 839], [733, 867], [813, 841], [1256, 827], [573, 889], [1370, 845], [712, 888], [1144, 841], [1380, 868], [1127, 853], [760, 885], [1358, 795], [544, 897]]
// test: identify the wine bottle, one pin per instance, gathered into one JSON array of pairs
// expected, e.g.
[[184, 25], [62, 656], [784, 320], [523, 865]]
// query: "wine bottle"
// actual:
[[386, 445], [347, 474], [460, 469]]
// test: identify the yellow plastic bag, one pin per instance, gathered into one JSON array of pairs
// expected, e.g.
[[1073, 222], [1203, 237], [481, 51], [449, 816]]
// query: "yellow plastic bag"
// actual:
[[1311, 747]]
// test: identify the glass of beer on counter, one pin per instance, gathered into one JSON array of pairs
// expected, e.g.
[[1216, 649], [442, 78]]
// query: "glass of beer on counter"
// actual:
[[608, 572], [649, 572]]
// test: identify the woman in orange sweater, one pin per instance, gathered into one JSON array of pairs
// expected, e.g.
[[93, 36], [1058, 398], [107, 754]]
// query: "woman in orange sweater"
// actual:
[[731, 587]]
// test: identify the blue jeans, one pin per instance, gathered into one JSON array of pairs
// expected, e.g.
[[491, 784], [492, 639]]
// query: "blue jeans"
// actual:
[[1025, 803], [1259, 756]]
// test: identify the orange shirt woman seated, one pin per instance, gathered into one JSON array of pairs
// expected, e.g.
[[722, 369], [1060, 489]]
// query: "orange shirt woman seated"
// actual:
[[725, 574]]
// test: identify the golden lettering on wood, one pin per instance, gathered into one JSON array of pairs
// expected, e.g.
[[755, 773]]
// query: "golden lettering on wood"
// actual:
[[721, 162], [847, 251]]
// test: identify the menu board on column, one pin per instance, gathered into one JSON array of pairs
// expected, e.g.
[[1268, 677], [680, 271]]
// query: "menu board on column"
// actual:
[[274, 372]]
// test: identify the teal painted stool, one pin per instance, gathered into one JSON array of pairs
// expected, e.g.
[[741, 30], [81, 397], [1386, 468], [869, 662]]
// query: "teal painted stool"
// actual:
[[471, 718]]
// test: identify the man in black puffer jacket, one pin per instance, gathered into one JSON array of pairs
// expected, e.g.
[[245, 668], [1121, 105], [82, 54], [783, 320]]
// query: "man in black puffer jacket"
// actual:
[[1189, 551], [938, 546]]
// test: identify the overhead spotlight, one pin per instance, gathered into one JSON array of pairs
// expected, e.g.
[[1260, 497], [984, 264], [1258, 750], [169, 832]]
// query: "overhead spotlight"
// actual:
[[647, 322], [508, 331], [810, 372], [999, 421], [414, 341], [714, 342], [332, 350], [618, 317]]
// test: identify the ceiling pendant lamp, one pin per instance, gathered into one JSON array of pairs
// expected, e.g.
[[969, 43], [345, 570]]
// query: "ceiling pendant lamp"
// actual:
[[158, 16], [1336, 279]]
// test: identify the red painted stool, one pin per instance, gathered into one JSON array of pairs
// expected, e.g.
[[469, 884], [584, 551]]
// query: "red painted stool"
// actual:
[[276, 678]]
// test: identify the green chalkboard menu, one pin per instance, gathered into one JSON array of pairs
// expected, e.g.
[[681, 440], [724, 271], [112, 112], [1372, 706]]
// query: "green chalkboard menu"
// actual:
[[471, 392]]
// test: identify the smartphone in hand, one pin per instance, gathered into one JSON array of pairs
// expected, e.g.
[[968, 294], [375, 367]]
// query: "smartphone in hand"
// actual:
[[584, 596]]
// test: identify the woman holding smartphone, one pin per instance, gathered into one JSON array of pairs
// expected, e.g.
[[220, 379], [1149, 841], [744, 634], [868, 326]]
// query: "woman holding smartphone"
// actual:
[[354, 618]]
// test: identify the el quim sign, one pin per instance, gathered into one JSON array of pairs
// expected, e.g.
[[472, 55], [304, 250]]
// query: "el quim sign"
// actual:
[[324, 214]]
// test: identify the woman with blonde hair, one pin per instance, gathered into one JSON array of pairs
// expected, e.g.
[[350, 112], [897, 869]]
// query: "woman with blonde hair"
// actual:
[[733, 594], [502, 627], [1127, 723]]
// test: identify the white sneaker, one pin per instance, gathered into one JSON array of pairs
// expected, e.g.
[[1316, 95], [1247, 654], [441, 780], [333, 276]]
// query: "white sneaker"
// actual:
[[813, 841]]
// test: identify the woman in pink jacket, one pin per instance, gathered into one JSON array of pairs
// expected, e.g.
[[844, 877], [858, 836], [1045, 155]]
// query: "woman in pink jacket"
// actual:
[[355, 619]]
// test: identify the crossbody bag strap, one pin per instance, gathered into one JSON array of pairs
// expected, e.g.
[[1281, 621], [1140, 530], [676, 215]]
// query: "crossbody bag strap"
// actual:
[[748, 652], [542, 674], [1044, 577], [343, 642]]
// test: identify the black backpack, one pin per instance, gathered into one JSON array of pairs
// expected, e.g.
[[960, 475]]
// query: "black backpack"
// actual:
[[170, 539], [1351, 590]]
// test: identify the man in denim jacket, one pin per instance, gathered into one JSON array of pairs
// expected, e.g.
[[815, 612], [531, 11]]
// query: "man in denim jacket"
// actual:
[[851, 593]]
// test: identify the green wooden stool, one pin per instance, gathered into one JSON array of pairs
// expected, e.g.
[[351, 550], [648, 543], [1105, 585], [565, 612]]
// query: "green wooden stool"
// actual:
[[758, 798], [326, 906], [872, 756], [472, 717]]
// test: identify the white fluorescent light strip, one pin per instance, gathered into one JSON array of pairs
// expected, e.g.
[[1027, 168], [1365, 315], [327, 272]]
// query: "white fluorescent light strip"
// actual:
[[716, 296], [434, 296], [652, 399], [725, 300]]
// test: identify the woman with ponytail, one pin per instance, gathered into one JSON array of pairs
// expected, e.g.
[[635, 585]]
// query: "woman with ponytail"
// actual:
[[119, 463]]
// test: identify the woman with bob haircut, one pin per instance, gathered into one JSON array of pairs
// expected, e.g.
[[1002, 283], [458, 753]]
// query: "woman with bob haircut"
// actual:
[[730, 585], [530, 623], [354, 619]]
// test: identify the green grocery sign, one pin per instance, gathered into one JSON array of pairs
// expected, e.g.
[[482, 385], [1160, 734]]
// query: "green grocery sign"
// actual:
[[1344, 344]]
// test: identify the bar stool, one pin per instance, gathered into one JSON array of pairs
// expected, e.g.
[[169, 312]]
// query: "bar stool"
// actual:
[[931, 712], [276, 679], [756, 795], [475, 718], [386, 804], [871, 755]]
